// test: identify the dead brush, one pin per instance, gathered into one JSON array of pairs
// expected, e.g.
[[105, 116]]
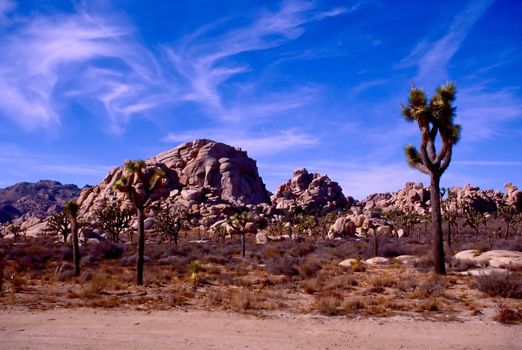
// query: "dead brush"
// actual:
[[98, 284], [383, 281], [343, 282], [432, 286], [408, 282], [507, 315], [328, 304], [242, 300], [309, 268], [497, 284], [312, 286]]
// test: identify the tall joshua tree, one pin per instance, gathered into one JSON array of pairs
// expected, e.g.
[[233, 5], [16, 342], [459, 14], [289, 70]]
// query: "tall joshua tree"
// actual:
[[434, 118], [71, 210], [138, 183]]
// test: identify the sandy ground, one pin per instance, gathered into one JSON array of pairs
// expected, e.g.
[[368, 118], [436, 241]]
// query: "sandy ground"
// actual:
[[177, 329]]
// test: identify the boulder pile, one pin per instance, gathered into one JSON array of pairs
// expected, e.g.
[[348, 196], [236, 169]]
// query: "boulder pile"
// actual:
[[203, 176], [309, 192]]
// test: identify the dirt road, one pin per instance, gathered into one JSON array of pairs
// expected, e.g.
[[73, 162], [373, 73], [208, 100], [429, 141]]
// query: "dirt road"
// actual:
[[125, 329]]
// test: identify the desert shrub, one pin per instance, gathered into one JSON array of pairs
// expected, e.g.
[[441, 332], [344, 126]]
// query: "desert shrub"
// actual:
[[283, 266], [340, 282], [99, 283], [215, 298], [312, 286], [507, 315], [64, 272], [328, 304], [497, 284], [408, 282], [215, 259], [309, 268], [461, 265], [242, 300], [175, 298], [302, 249], [431, 305], [434, 285], [382, 281], [272, 251], [106, 250], [424, 263]]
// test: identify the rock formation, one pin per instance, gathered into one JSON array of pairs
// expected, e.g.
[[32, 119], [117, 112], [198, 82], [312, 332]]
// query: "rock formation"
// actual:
[[309, 192], [40, 199], [203, 175], [513, 196]]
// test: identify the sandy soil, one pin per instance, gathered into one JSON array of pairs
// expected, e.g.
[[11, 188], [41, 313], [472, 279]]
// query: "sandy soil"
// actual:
[[177, 329]]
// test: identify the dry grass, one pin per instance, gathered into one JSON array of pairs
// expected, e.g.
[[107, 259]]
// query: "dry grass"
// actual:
[[506, 285], [298, 277]]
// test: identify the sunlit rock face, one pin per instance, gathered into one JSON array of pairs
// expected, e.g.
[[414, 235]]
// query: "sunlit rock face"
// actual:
[[200, 173], [310, 192]]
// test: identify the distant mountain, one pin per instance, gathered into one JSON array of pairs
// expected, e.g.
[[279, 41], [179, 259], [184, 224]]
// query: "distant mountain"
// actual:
[[39, 199]]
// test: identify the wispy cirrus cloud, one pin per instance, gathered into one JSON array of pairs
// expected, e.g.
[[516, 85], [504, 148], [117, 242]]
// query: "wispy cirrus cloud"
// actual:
[[6, 7], [208, 58], [484, 114], [433, 56], [47, 59], [256, 144]]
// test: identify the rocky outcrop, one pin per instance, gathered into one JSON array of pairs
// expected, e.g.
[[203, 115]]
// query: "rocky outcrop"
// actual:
[[206, 176], [414, 197], [484, 201], [40, 199], [513, 196], [309, 192]]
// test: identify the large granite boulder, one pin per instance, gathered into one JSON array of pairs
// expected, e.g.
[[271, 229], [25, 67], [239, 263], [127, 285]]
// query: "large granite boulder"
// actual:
[[202, 175], [309, 192]]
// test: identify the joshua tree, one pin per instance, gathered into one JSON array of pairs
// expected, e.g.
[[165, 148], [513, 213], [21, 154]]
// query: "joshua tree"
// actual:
[[509, 215], [138, 183], [59, 223], [71, 210], [433, 117], [449, 211], [474, 218], [238, 222], [114, 220], [169, 221]]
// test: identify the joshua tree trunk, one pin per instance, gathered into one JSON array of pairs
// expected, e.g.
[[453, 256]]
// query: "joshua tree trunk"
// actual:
[[75, 246], [141, 247], [243, 245], [436, 219]]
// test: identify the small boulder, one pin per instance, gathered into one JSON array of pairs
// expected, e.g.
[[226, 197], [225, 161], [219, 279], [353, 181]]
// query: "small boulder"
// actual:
[[378, 260], [261, 238]]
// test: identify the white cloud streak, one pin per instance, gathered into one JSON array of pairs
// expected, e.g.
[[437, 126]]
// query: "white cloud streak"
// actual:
[[256, 145], [432, 58], [6, 7], [206, 63], [48, 59]]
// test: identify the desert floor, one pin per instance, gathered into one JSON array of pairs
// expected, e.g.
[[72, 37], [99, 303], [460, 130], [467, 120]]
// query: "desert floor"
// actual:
[[87, 328]]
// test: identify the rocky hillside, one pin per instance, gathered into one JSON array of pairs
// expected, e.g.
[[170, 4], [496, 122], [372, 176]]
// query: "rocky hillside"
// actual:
[[39, 199], [310, 192], [202, 175]]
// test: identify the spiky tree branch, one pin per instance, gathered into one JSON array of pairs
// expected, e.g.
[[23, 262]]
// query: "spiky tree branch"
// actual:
[[433, 117]]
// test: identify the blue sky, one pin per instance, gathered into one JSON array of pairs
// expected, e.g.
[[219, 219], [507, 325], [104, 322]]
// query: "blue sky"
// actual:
[[85, 85]]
